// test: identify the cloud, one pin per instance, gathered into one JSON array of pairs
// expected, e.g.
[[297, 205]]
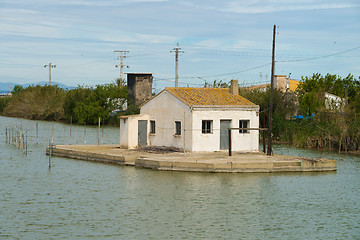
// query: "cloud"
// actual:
[[195, 60], [211, 43], [243, 44], [136, 37], [268, 6]]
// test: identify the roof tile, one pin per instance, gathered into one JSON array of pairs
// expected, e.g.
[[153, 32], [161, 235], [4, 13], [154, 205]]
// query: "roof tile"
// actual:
[[207, 96]]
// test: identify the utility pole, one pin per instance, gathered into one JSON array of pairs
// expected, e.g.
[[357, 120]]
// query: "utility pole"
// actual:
[[50, 67], [121, 66], [176, 50], [269, 150]]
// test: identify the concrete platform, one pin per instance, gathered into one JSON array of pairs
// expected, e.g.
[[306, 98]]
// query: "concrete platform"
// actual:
[[194, 162]]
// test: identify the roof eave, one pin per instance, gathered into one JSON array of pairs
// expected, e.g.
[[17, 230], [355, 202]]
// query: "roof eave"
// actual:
[[226, 106]]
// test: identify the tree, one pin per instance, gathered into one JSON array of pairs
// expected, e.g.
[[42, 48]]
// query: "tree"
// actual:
[[37, 102], [86, 105], [17, 89], [310, 102]]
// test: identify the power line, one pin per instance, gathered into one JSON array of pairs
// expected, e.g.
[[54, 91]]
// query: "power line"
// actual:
[[232, 73], [325, 56], [171, 81], [220, 75]]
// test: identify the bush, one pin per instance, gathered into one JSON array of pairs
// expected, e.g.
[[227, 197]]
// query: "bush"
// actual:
[[4, 101], [37, 102], [86, 105]]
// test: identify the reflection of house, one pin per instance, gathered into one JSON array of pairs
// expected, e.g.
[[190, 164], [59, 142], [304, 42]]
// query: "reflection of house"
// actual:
[[281, 82], [194, 119]]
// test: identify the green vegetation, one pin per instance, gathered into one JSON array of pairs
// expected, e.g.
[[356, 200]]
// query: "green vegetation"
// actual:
[[336, 128], [4, 101], [36, 102], [84, 105]]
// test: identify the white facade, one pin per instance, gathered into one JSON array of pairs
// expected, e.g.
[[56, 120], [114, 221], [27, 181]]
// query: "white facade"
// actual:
[[129, 130], [211, 142], [166, 109], [333, 102]]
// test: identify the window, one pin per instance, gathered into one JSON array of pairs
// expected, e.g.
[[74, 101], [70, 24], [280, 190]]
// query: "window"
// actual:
[[152, 126], [244, 124], [206, 126], [177, 128]]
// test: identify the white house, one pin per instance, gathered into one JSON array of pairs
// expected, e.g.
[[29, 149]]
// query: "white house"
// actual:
[[333, 102], [194, 119]]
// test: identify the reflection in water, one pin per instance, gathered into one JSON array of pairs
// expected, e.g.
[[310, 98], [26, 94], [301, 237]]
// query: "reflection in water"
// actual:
[[79, 199]]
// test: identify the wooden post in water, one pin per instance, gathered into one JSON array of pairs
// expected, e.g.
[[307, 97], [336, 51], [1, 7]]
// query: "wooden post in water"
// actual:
[[50, 149], [70, 128], [26, 145], [99, 132], [102, 133], [37, 133], [85, 133], [52, 133]]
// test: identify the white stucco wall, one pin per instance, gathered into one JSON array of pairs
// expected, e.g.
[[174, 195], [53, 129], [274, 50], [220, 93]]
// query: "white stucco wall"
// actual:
[[333, 102], [129, 130], [124, 133], [211, 142], [165, 109]]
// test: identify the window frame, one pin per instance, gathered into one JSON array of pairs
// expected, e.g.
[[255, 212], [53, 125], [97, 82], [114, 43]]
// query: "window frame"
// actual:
[[241, 125], [177, 128], [152, 127], [207, 126]]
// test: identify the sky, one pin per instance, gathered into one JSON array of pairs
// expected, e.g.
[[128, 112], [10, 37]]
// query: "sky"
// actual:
[[220, 40]]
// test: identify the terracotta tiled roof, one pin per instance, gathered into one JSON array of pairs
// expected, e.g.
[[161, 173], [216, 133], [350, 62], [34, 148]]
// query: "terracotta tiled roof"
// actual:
[[207, 96]]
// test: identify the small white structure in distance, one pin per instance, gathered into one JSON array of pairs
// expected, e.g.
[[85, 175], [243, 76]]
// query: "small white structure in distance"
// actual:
[[333, 102], [194, 119]]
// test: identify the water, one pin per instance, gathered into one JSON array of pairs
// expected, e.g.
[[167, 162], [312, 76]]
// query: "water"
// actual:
[[84, 200]]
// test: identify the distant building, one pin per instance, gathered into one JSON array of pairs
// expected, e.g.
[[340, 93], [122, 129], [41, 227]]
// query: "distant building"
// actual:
[[5, 94], [194, 119], [281, 82], [333, 102], [139, 87]]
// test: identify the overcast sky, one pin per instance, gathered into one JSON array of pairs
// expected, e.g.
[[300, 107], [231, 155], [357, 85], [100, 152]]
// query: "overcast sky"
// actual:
[[221, 40]]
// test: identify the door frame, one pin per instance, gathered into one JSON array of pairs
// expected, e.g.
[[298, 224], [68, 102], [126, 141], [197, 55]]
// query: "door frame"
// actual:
[[142, 135], [224, 142]]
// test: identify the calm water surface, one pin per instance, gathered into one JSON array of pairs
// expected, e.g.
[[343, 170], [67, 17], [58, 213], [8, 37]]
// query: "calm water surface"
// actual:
[[83, 200]]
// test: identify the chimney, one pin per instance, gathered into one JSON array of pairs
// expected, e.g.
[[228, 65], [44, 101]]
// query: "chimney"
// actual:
[[234, 87]]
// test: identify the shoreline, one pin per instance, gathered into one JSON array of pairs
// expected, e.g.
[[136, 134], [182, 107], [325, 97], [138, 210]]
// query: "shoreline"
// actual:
[[193, 162]]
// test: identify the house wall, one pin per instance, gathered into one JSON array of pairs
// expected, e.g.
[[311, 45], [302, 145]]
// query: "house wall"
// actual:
[[333, 102], [165, 109], [124, 133], [280, 82], [129, 131], [211, 141]]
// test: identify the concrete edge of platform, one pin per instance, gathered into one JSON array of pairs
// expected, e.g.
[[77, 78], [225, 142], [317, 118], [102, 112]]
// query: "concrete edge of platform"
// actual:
[[297, 164], [256, 167], [88, 156]]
